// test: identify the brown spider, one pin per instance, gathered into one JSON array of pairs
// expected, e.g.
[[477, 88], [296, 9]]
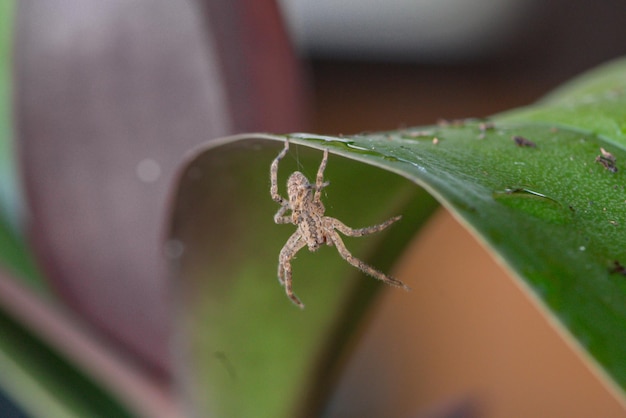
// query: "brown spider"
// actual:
[[314, 229]]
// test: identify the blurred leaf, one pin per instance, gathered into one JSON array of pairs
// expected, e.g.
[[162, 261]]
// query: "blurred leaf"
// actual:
[[108, 103], [35, 379], [9, 409], [42, 383], [8, 184], [14, 254], [543, 196]]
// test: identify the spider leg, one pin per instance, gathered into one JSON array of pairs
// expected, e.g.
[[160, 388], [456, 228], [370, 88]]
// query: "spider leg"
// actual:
[[280, 217], [346, 255], [319, 180], [293, 245], [346, 230], [274, 175]]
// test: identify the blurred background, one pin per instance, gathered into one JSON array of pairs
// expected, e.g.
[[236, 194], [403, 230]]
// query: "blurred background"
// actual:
[[386, 65], [427, 59]]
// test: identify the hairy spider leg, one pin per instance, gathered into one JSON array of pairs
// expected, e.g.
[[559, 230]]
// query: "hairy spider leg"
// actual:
[[351, 232], [346, 255], [319, 180], [280, 217], [274, 175], [294, 244]]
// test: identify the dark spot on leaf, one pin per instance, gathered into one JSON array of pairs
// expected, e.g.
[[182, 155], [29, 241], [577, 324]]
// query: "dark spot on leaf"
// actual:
[[607, 160], [520, 141], [618, 268], [223, 359]]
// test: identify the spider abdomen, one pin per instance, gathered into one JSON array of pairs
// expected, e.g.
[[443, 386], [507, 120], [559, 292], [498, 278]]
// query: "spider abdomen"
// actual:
[[311, 232]]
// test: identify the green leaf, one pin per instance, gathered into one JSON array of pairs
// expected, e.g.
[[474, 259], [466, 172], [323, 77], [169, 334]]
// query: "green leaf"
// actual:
[[541, 187]]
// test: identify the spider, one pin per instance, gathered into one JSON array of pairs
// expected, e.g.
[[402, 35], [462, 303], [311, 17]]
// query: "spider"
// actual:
[[314, 229]]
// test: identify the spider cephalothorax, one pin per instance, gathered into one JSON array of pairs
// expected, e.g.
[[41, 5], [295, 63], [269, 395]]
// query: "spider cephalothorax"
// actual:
[[314, 229]]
